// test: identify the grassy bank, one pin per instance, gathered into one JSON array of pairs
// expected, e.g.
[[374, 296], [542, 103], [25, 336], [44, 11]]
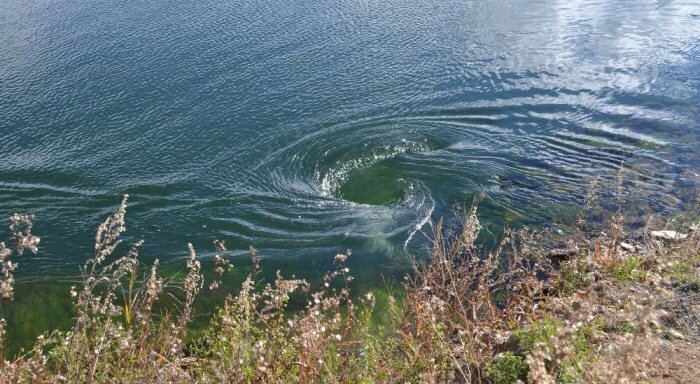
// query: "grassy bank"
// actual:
[[537, 309]]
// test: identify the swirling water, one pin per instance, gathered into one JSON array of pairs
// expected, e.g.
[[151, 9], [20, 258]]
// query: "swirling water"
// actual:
[[305, 127]]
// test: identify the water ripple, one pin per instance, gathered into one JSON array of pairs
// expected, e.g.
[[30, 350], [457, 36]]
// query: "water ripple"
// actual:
[[307, 127]]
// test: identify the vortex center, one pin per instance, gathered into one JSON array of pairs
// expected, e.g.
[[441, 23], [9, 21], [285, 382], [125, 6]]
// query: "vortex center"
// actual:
[[375, 185]]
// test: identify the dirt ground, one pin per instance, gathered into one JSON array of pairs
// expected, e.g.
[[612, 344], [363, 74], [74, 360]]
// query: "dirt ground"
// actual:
[[676, 361], [677, 358]]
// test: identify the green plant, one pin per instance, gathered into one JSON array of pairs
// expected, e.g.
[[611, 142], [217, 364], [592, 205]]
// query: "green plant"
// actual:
[[506, 368], [624, 326], [573, 274], [571, 369], [626, 270], [684, 271], [539, 332]]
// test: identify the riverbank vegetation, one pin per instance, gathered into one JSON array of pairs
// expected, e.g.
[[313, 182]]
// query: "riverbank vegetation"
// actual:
[[536, 309]]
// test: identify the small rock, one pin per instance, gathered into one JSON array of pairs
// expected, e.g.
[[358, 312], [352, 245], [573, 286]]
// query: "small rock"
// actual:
[[676, 335], [668, 235], [563, 253], [627, 247]]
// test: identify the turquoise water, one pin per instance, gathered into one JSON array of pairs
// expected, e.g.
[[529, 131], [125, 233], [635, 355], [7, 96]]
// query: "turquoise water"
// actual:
[[308, 127]]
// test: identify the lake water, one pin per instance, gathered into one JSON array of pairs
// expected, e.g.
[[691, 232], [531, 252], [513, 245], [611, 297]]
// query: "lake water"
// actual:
[[307, 127]]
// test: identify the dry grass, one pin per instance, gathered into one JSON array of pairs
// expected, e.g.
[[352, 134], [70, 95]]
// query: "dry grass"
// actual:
[[520, 312]]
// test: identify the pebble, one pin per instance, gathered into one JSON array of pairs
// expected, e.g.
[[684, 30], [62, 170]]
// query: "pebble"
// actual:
[[627, 247], [668, 235], [676, 334]]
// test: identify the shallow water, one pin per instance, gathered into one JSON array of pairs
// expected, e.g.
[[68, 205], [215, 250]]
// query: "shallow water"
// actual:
[[307, 127]]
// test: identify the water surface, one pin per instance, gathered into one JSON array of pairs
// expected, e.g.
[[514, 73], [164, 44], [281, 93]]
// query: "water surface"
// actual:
[[307, 127]]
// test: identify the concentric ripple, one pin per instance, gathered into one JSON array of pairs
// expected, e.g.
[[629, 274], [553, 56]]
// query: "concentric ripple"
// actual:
[[307, 127]]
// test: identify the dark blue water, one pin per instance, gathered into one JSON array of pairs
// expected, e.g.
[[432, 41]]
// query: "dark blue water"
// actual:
[[306, 127]]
